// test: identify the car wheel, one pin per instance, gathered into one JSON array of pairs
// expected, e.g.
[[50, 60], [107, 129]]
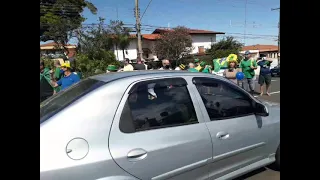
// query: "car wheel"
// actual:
[[277, 163], [272, 75]]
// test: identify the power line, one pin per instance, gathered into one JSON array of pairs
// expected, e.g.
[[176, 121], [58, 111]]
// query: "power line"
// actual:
[[145, 9], [151, 28]]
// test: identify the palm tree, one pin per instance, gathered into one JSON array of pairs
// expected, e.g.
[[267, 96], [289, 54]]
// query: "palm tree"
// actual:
[[121, 36], [124, 42], [91, 7]]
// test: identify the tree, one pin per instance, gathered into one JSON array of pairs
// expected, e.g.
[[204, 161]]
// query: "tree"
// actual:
[[58, 18], [94, 39], [94, 50], [121, 36], [174, 44], [224, 47]]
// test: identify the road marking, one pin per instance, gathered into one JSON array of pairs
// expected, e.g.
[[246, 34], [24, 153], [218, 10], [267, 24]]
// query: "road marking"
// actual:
[[276, 92], [271, 80]]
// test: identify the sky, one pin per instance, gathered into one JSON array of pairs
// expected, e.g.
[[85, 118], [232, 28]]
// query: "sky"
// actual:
[[227, 16]]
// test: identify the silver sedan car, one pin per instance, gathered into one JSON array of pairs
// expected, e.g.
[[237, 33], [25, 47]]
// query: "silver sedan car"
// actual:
[[156, 125]]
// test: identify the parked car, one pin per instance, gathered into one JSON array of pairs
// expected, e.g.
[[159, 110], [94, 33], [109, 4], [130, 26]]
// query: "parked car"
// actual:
[[156, 125], [275, 71]]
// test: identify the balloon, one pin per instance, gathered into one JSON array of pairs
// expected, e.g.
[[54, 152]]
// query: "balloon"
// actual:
[[239, 76]]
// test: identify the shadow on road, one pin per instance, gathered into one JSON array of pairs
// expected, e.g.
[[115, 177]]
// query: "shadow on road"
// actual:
[[252, 173], [255, 172]]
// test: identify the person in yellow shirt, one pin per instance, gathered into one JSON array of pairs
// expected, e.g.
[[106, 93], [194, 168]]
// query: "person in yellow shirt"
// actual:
[[197, 63], [127, 65]]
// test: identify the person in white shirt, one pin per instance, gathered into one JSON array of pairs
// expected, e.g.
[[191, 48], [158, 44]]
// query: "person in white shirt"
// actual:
[[165, 65], [127, 66]]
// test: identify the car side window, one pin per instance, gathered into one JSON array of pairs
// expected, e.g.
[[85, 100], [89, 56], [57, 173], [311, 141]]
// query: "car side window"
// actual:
[[222, 101], [157, 104]]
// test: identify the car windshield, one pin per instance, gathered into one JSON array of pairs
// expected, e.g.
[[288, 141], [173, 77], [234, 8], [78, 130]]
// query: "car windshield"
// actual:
[[61, 100]]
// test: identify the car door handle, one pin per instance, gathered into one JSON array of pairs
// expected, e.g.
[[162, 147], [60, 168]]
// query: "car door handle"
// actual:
[[137, 154], [222, 135]]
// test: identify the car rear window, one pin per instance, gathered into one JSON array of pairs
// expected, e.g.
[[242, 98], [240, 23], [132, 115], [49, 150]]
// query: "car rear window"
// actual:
[[61, 100]]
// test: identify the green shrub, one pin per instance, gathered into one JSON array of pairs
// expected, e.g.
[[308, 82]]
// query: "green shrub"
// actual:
[[48, 63], [96, 63]]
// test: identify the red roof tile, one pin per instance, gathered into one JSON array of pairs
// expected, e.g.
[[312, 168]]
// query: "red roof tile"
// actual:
[[191, 31], [147, 36], [53, 44], [261, 48], [151, 36]]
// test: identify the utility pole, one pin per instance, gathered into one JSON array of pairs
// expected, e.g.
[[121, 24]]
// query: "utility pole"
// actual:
[[274, 9], [138, 28]]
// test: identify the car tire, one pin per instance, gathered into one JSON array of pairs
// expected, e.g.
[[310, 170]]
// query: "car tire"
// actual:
[[272, 75], [277, 163]]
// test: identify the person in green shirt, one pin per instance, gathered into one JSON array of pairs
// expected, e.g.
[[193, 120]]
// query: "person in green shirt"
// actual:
[[192, 68], [57, 75], [205, 68], [248, 66], [197, 64]]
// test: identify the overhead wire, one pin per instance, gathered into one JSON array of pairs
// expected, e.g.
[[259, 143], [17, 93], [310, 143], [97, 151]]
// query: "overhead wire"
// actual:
[[146, 9]]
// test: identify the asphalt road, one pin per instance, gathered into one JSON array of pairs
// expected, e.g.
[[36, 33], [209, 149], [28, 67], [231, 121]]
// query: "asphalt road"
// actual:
[[266, 173], [274, 90]]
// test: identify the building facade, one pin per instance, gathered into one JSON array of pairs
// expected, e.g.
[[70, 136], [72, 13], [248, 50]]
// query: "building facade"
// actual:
[[201, 41], [50, 49], [258, 50]]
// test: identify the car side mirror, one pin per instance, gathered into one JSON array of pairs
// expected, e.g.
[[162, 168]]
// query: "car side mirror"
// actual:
[[261, 110]]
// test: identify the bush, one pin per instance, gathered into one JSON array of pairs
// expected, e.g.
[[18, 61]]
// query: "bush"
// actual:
[[90, 65], [225, 47], [48, 63]]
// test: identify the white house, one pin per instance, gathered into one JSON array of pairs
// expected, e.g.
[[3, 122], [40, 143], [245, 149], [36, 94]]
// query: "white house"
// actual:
[[270, 51], [201, 40]]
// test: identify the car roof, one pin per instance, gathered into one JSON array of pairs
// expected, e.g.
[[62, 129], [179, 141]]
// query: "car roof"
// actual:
[[108, 77]]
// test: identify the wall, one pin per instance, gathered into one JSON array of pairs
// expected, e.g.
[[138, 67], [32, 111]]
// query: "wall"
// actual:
[[197, 40], [132, 51], [147, 44], [254, 53], [47, 51], [202, 40], [271, 54]]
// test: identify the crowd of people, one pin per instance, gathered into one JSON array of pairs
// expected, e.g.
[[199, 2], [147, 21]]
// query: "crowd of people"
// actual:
[[196, 66], [57, 79], [247, 66], [62, 77]]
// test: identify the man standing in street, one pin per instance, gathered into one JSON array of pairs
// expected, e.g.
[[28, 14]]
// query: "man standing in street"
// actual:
[[139, 65], [248, 66], [265, 74], [127, 65], [46, 90], [165, 65], [69, 78]]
